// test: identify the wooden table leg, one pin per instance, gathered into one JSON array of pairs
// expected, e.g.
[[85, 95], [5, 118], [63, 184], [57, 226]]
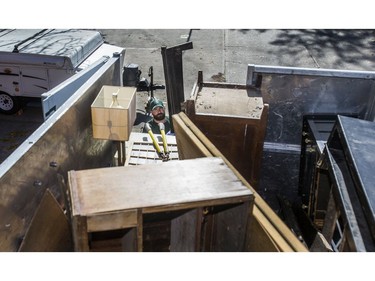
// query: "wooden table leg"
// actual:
[[80, 235]]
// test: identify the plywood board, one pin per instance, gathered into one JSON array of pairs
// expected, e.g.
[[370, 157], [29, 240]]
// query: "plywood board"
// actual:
[[228, 102], [164, 186], [49, 230]]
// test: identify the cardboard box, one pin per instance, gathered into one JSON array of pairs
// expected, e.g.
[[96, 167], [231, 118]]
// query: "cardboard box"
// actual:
[[113, 121]]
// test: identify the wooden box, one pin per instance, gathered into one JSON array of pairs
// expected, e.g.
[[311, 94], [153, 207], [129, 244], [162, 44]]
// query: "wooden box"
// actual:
[[111, 121], [187, 205]]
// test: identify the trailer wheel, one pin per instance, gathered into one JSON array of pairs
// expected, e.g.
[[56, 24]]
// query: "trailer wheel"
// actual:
[[8, 104]]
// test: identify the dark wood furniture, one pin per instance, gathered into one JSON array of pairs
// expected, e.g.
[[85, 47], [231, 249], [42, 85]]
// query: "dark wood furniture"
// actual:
[[187, 205]]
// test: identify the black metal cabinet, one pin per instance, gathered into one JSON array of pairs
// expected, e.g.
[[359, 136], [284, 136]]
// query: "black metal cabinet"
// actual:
[[316, 129], [345, 182]]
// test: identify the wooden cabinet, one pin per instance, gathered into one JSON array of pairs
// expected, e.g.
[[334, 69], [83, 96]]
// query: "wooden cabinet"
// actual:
[[234, 118], [186, 205]]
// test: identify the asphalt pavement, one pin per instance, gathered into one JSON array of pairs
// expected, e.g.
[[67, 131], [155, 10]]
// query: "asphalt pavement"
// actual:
[[223, 54]]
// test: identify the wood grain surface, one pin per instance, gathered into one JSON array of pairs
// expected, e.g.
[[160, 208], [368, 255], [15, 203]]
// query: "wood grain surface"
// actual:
[[154, 186]]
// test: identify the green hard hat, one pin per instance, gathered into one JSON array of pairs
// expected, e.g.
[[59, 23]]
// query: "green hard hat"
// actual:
[[154, 102]]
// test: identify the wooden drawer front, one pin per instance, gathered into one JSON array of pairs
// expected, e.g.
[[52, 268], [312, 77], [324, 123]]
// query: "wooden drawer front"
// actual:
[[112, 221]]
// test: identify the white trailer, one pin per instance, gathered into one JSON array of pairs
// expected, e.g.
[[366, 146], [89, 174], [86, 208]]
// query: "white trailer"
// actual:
[[34, 61]]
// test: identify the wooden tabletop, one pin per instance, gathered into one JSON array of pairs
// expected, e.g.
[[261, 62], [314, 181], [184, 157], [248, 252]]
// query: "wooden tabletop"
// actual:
[[163, 185], [229, 102]]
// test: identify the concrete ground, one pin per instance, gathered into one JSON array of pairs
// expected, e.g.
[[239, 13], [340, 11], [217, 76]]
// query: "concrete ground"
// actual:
[[223, 55]]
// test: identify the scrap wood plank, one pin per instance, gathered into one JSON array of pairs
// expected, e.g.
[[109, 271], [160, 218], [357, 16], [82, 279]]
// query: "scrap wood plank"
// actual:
[[267, 238], [190, 145], [49, 229], [320, 244], [207, 149]]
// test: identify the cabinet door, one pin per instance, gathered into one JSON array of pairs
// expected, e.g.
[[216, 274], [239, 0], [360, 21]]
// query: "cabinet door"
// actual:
[[185, 231], [225, 228]]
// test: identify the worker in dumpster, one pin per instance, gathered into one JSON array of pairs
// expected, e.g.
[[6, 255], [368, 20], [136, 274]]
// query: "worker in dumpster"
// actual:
[[157, 110]]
